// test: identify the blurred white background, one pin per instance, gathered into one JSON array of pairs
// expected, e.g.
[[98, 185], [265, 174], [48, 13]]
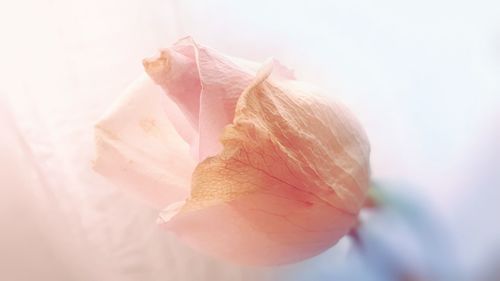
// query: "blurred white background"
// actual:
[[423, 77]]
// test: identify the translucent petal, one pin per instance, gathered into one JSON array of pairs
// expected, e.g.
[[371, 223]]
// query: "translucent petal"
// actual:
[[138, 147]]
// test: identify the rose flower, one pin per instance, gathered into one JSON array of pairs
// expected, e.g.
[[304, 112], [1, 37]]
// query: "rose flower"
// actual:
[[247, 163]]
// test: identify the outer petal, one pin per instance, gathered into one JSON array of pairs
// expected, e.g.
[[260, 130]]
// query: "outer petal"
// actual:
[[206, 85], [138, 147], [289, 183]]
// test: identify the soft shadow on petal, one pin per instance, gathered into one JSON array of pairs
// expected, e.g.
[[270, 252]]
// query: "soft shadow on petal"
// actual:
[[138, 147], [289, 183]]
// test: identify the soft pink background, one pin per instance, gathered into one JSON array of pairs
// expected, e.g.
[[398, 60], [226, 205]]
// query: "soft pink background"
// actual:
[[423, 77]]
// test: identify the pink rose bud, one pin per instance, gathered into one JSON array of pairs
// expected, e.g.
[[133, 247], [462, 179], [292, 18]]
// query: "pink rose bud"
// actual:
[[277, 172]]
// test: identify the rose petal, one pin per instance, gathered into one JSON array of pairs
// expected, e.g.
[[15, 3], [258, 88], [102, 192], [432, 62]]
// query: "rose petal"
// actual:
[[206, 85], [138, 147], [246, 231], [176, 71], [289, 183]]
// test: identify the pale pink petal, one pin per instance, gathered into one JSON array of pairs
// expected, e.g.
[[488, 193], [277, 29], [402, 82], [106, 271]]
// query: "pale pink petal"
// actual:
[[206, 86], [176, 71], [288, 184], [138, 147], [223, 83], [246, 231]]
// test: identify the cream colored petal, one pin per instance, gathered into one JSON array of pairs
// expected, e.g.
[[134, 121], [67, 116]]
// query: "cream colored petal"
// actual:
[[139, 149]]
